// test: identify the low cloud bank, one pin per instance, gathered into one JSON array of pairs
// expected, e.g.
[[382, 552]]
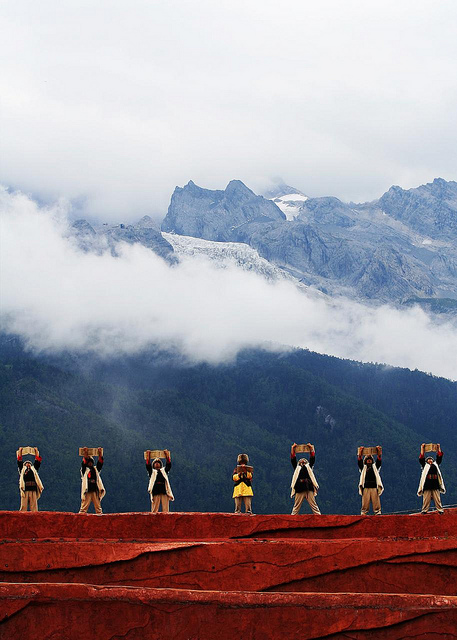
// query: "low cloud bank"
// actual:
[[58, 297]]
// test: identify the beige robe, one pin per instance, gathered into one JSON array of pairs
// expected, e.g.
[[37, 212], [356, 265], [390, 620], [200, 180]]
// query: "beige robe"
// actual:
[[363, 473], [39, 484], [295, 478], [85, 484]]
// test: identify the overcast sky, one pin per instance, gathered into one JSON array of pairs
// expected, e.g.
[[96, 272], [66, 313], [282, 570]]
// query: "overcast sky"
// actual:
[[112, 104]]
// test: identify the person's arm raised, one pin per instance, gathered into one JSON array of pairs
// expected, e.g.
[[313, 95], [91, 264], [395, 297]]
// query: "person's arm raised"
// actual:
[[168, 460], [312, 455], [439, 455], [100, 460], [293, 457]]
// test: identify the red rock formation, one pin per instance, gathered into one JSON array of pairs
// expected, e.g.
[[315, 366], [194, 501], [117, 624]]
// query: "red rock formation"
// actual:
[[389, 566], [206, 576], [219, 526], [74, 611]]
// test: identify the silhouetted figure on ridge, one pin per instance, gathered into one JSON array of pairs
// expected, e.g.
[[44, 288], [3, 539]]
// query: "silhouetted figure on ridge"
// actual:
[[304, 484], [30, 485], [431, 483], [92, 489], [242, 490], [370, 483], [159, 485]]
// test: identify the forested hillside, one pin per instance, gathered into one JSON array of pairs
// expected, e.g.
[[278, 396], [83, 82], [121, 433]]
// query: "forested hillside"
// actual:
[[207, 415]]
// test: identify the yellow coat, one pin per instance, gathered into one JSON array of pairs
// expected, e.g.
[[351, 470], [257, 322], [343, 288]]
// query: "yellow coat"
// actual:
[[242, 488]]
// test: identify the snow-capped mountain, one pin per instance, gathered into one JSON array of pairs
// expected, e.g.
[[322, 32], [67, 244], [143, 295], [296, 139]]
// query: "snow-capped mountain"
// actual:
[[215, 215], [367, 251], [430, 209], [398, 249]]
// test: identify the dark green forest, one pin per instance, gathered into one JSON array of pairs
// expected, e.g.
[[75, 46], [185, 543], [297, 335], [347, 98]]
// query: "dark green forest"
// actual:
[[206, 415]]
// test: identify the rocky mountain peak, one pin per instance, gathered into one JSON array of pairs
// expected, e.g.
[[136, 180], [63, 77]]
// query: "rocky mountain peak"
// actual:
[[333, 245], [443, 188], [145, 232], [236, 188], [147, 222], [191, 186], [83, 234], [430, 209], [82, 227], [216, 214]]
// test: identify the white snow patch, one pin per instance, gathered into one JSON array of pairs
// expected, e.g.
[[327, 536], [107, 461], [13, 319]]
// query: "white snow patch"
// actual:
[[289, 204], [226, 253]]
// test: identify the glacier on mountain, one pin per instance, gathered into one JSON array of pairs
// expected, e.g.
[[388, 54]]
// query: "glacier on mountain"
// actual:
[[290, 204], [225, 254], [400, 249]]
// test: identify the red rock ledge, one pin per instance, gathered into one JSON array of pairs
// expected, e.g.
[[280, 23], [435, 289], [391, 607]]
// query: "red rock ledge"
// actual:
[[222, 526], [216, 576], [70, 611]]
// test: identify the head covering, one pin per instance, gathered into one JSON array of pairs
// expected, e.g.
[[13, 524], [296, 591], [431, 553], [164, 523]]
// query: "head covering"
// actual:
[[369, 456], [243, 458], [157, 460], [302, 462]]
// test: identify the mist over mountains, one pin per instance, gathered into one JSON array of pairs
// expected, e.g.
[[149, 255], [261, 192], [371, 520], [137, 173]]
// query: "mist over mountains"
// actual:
[[390, 250], [136, 336], [112, 289], [401, 248]]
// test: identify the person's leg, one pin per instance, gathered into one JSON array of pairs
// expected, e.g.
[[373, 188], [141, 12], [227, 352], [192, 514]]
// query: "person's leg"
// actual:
[[247, 504], [437, 500], [365, 502], [24, 501], [238, 504], [165, 503], [97, 502], [85, 502], [299, 497], [309, 496], [372, 498], [376, 500], [155, 504], [34, 502], [426, 498]]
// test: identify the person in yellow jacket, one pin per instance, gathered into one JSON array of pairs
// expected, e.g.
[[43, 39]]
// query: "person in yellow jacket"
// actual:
[[242, 491]]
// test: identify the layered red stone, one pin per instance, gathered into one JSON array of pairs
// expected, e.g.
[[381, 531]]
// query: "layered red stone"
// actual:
[[211, 576]]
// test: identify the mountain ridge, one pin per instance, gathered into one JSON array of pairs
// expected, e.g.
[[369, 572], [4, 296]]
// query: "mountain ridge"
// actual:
[[399, 249], [332, 245]]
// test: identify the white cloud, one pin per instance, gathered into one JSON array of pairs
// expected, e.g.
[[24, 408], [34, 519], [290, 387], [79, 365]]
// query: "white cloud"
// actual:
[[114, 103], [58, 297]]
